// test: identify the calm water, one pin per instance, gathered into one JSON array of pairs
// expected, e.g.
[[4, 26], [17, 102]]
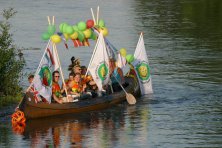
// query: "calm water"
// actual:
[[184, 43]]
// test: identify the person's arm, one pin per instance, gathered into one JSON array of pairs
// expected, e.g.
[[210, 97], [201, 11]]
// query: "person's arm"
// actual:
[[83, 88], [57, 99], [92, 82], [63, 88], [74, 93]]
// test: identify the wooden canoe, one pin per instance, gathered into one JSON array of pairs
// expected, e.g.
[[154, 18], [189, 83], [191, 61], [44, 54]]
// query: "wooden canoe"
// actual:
[[38, 110]]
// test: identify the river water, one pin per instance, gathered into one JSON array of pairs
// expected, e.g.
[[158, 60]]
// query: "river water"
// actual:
[[183, 39]]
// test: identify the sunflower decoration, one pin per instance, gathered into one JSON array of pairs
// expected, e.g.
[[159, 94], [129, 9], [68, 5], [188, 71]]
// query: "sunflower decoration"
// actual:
[[74, 63]]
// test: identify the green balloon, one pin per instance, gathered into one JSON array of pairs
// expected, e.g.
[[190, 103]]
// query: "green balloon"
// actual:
[[81, 36], [129, 58], [69, 30], [61, 27], [64, 27], [75, 28], [93, 36], [51, 29], [81, 26], [101, 23], [45, 36]]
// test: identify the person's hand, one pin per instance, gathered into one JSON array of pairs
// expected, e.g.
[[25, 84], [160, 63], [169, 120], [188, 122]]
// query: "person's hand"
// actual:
[[84, 87], [17, 109], [64, 86], [60, 101]]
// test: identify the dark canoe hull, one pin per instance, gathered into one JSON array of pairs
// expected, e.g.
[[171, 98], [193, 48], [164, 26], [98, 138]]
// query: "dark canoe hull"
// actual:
[[37, 110]]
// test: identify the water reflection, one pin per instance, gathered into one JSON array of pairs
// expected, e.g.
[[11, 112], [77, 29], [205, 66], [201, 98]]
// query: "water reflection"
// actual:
[[96, 129]]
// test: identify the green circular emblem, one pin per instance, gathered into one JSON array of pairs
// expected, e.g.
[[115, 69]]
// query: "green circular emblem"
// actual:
[[103, 71], [143, 71], [46, 76]]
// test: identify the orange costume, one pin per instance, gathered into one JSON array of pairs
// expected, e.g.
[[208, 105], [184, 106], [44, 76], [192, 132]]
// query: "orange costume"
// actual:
[[56, 89], [76, 88], [86, 79]]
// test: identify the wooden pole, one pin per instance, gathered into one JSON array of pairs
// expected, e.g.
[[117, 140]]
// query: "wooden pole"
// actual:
[[93, 16], [97, 17], [53, 20], [60, 68], [48, 20]]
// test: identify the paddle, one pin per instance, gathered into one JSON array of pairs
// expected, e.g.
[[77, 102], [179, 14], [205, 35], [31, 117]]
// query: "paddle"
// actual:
[[129, 97]]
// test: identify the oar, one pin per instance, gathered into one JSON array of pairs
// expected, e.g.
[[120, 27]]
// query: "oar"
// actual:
[[129, 97]]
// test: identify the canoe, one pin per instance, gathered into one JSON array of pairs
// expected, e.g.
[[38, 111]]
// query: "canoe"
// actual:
[[37, 110]]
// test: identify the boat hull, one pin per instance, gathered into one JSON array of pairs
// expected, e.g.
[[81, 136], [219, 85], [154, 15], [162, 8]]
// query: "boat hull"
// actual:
[[37, 110]]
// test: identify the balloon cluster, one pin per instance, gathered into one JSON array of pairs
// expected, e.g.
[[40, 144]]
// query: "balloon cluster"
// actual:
[[50, 31], [81, 31], [78, 33], [102, 28], [129, 57], [50, 34]]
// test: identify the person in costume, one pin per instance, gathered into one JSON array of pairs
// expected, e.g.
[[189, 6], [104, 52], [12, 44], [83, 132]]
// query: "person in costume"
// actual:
[[31, 89], [56, 90], [70, 80], [76, 85], [74, 67]]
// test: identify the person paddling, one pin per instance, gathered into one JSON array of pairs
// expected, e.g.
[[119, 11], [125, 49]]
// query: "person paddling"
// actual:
[[116, 74]]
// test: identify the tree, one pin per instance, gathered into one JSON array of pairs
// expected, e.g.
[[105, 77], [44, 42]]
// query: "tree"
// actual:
[[11, 61]]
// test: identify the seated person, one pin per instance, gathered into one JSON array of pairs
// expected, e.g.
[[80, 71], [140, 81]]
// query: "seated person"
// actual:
[[83, 70], [91, 86], [74, 67], [32, 89], [89, 83], [79, 88], [70, 80], [116, 76], [84, 79], [77, 69], [56, 90], [75, 85], [132, 72]]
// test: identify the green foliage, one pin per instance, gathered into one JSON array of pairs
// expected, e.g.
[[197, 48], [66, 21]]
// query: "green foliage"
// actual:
[[11, 60], [10, 100]]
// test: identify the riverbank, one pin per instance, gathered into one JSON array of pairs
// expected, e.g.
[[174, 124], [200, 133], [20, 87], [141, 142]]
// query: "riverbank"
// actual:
[[11, 63], [9, 100]]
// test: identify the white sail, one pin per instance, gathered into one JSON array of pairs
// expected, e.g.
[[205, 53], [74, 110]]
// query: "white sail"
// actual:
[[99, 65], [43, 77], [142, 67]]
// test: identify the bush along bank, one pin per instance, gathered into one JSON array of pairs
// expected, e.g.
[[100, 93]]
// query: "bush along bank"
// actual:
[[11, 62]]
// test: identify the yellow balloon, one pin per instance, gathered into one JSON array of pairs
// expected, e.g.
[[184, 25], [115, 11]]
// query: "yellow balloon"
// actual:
[[55, 38], [74, 35], [87, 33], [104, 31], [123, 52], [66, 35]]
